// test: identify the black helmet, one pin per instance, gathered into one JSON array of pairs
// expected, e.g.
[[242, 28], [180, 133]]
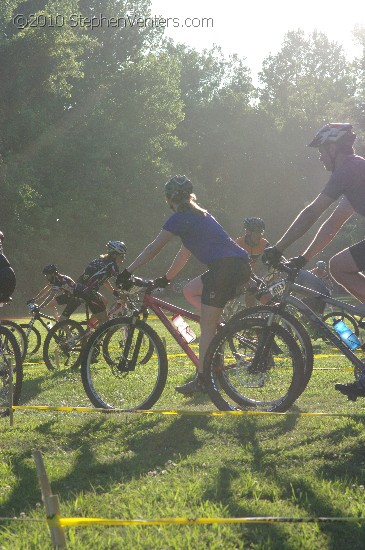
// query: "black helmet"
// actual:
[[178, 186], [334, 132], [254, 224], [49, 269]]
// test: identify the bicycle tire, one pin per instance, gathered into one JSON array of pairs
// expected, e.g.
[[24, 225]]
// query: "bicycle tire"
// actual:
[[349, 320], [294, 326], [110, 356], [19, 334], [232, 383], [57, 351], [10, 354], [141, 384], [33, 336]]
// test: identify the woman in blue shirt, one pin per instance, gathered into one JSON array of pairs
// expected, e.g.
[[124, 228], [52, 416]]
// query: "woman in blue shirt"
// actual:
[[203, 237]]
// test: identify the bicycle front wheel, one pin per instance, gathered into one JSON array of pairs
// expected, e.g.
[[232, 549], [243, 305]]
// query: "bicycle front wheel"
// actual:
[[10, 368], [121, 377], [250, 365], [19, 335], [63, 345]]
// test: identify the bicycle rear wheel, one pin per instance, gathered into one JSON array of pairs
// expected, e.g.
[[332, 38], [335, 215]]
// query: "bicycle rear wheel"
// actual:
[[10, 366], [19, 335], [292, 325], [63, 345], [250, 365], [33, 337], [123, 378]]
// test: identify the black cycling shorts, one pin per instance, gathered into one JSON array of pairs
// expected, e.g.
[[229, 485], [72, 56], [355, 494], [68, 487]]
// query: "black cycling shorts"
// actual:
[[358, 254], [7, 283], [224, 280], [63, 299]]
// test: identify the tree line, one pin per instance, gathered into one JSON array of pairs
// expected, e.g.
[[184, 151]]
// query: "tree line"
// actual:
[[94, 121]]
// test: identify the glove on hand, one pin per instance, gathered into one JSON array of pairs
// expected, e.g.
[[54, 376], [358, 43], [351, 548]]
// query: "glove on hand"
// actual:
[[271, 256], [161, 282], [123, 277], [298, 262]]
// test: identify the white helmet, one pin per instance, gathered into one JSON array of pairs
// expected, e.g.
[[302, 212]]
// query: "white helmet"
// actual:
[[335, 132], [118, 247]]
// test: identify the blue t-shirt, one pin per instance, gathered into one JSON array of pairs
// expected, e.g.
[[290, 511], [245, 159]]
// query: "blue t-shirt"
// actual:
[[349, 180], [203, 236]]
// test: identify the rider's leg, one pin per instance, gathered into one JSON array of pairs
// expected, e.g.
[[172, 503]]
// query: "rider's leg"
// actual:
[[193, 292], [345, 271], [209, 320]]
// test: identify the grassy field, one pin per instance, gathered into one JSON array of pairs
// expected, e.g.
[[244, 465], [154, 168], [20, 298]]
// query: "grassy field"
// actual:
[[187, 466]]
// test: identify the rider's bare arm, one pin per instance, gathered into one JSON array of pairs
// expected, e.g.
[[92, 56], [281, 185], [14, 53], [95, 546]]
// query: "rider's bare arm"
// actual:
[[329, 228], [151, 250], [43, 292], [180, 260], [308, 216]]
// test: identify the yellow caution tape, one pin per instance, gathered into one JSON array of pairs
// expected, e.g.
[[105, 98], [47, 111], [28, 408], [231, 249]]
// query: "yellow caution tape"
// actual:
[[178, 412], [57, 521]]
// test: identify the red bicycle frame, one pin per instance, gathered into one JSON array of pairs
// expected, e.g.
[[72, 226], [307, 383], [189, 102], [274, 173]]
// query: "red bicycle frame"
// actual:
[[157, 306]]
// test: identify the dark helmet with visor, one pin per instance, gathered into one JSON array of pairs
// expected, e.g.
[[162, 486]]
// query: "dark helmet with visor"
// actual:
[[49, 269], [254, 224], [178, 187]]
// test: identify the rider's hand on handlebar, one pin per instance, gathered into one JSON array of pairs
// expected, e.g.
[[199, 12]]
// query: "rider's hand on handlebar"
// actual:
[[298, 262], [271, 256], [161, 282], [123, 278]]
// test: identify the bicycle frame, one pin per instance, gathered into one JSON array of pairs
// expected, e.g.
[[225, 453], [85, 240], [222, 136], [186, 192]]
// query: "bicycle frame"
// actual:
[[157, 306], [315, 321]]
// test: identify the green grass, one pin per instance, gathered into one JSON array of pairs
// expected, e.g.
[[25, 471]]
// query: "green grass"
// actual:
[[152, 466]]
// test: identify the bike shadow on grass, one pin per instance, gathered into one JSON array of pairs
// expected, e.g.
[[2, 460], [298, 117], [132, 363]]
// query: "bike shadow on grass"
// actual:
[[32, 387], [267, 481], [142, 446]]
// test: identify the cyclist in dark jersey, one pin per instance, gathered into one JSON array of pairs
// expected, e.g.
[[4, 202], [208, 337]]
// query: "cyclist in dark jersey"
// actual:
[[96, 274], [7, 275], [58, 291], [347, 183], [203, 237]]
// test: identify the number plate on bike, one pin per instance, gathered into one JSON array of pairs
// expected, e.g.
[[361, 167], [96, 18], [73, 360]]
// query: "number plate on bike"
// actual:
[[277, 288]]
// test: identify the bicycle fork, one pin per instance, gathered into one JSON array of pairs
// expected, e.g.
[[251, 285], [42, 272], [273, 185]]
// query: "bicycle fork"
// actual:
[[125, 364]]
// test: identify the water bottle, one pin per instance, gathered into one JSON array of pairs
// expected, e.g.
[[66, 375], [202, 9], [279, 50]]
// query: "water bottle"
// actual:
[[183, 328], [346, 334]]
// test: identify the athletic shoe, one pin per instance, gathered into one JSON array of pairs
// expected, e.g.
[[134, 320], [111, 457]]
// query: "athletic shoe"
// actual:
[[353, 390], [196, 385]]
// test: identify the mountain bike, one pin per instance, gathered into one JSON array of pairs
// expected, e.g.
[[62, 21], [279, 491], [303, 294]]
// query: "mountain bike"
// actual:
[[257, 325], [65, 340], [32, 334], [124, 374], [11, 370]]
